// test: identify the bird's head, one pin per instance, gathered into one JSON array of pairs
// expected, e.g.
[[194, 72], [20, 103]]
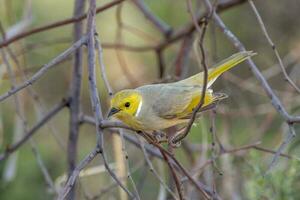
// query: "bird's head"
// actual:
[[125, 104]]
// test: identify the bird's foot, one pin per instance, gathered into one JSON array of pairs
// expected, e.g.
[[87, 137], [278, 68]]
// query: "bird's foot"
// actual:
[[174, 142], [160, 137]]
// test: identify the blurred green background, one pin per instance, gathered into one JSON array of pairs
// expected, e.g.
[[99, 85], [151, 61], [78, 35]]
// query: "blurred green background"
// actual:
[[246, 117]]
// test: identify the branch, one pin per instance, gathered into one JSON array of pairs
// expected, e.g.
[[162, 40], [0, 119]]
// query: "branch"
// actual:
[[164, 28], [160, 63], [274, 99], [107, 124], [33, 130], [19, 107], [177, 184], [95, 100], [200, 186], [56, 24], [190, 27], [44, 69], [238, 45], [290, 135], [102, 66], [75, 88], [71, 181], [198, 170], [264, 30], [152, 170], [129, 172], [202, 62], [120, 56]]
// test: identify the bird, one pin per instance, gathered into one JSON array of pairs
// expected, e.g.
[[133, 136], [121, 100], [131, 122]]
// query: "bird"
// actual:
[[156, 107]]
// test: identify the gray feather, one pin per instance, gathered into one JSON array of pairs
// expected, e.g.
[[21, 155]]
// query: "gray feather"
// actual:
[[168, 100]]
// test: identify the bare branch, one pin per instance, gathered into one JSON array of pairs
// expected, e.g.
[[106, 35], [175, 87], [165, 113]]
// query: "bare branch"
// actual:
[[238, 45], [190, 27], [264, 30], [290, 135], [44, 69], [125, 154], [75, 88], [106, 124], [150, 165], [164, 28], [102, 66], [178, 186], [205, 70], [56, 24], [12, 148], [72, 179], [120, 56], [95, 100]]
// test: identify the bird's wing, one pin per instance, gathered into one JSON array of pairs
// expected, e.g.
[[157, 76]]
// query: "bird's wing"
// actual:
[[176, 101]]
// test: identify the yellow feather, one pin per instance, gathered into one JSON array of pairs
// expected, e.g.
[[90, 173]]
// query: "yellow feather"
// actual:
[[218, 69], [208, 99]]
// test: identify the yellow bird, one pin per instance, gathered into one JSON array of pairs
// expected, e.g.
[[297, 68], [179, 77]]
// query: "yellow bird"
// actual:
[[159, 106]]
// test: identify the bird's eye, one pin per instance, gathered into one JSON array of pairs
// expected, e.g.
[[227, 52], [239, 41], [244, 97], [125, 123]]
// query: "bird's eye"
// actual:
[[127, 104]]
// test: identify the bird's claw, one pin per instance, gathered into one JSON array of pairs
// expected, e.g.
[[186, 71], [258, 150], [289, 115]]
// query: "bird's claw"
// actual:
[[174, 142], [159, 137]]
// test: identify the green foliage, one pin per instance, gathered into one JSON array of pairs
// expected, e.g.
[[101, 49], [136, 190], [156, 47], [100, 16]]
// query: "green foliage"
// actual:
[[281, 183]]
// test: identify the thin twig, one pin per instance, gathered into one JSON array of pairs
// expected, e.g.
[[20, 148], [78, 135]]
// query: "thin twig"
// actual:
[[19, 106], [264, 30], [201, 187], [205, 70], [56, 24], [179, 190], [267, 88], [290, 135], [120, 56], [190, 27], [125, 153], [44, 69], [72, 178], [274, 99], [153, 152], [33, 94], [254, 146], [102, 66], [152, 169], [12, 148], [164, 28], [95, 100], [160, 63], [42, 166], [182, 58], [75, 87]]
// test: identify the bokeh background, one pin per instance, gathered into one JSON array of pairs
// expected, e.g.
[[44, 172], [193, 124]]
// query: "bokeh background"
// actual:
[[246, 117]]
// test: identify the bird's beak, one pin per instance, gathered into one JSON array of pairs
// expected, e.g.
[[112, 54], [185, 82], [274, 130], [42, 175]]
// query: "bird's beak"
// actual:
[[113, 111]]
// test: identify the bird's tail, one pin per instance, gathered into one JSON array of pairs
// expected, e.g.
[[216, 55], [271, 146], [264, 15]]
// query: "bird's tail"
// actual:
[[218, 69]]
